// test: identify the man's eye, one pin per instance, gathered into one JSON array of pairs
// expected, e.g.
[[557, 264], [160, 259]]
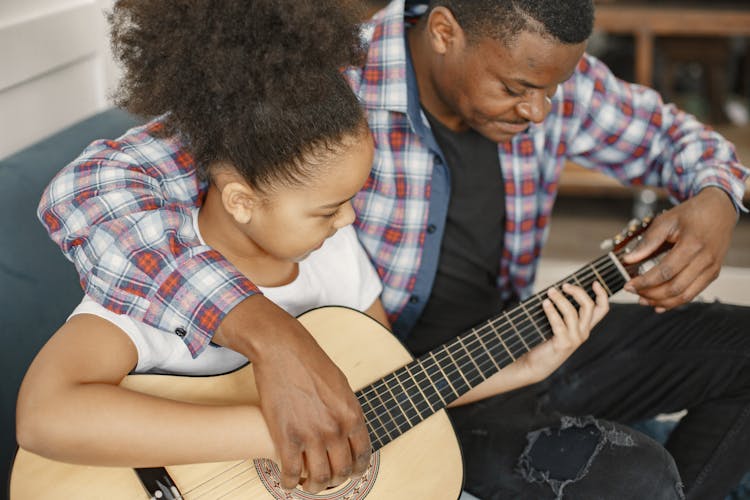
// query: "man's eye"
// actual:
[[512, 93]]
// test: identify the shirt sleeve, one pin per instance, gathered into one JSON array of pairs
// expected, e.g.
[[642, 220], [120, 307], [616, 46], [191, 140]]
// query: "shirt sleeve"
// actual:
[[127, 228], [626, 131]]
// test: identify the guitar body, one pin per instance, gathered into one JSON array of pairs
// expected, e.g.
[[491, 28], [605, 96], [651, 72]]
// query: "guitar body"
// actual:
[[425, 462]]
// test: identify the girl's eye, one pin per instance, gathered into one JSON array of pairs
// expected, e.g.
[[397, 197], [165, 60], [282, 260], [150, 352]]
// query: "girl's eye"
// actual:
[[332, 214]]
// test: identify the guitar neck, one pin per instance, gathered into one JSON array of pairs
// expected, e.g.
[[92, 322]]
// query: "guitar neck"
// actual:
[[402, 399]]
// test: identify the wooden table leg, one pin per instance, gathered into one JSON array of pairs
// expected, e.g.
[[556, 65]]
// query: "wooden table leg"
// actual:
[[644, 57]]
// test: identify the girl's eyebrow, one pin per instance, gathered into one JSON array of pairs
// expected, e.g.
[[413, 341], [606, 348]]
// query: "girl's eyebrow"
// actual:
[[336, 204]]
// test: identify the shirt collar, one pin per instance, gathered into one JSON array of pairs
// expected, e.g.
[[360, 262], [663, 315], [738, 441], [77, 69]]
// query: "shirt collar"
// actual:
[[384, 78]]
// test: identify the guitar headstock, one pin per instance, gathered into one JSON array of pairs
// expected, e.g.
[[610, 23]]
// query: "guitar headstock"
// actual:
[[624, 242]]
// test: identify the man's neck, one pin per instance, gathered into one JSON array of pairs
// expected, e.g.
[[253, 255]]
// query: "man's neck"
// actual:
[[417, 39]]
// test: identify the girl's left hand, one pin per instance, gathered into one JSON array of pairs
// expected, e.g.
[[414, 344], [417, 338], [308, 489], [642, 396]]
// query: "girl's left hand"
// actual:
[[570, 327]]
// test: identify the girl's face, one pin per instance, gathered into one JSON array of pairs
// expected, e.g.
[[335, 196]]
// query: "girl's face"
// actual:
[[293, 221]]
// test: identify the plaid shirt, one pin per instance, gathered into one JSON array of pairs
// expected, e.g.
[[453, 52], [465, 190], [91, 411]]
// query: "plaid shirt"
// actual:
[[120, 211], [596, 120]]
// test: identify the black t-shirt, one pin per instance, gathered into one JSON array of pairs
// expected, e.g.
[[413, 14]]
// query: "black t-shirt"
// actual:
[[465, 292]]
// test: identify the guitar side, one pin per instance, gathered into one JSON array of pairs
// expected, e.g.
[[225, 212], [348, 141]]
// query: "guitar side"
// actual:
[[425, 462]]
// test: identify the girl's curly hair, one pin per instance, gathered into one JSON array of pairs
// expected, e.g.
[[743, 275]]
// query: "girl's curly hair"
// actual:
[[253, 83]]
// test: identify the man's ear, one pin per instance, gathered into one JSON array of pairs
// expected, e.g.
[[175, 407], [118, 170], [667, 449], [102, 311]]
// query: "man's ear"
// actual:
[[239, 200], [445, 32]]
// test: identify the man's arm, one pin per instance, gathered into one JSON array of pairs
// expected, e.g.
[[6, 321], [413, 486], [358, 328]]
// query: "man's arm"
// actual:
[[128, 230], [626, 131]]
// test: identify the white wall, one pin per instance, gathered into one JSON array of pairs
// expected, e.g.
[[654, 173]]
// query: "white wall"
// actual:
[[55, 67]]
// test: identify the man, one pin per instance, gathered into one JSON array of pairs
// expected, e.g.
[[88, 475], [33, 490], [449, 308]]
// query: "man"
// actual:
[[474, 108]]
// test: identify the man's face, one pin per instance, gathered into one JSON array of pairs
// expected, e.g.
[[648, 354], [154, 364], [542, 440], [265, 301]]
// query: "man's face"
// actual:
[[499, 89]]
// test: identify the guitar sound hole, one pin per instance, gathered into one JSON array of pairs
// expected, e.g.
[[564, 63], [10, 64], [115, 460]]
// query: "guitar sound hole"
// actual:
[[268, 472]]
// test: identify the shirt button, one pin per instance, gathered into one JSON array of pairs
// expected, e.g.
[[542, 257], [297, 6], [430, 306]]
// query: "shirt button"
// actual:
[[413, 299], [180, 332], [431, 228]]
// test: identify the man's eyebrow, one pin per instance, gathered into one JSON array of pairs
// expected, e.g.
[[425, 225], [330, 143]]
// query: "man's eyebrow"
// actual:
[[524, 83]]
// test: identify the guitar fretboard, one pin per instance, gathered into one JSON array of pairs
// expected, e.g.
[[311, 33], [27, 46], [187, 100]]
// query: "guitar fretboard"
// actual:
[[405, 397]]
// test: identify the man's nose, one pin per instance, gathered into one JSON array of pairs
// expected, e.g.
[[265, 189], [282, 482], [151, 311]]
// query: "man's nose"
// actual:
[[535, 107]]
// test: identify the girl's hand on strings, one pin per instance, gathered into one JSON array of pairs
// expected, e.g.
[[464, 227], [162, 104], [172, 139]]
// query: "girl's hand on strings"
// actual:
[[570, 327]]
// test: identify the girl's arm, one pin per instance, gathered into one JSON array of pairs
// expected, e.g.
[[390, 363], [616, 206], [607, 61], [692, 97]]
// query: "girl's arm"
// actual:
[[570, 328], [377, 312], [71, 408]]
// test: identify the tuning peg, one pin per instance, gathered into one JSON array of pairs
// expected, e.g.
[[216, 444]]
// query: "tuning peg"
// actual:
[[607, 245]]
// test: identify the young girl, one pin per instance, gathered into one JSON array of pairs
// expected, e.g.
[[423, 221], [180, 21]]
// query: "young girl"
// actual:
[[255, 99]]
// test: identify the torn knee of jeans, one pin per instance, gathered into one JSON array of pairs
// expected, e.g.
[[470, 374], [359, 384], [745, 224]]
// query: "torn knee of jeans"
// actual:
[[563, 455]]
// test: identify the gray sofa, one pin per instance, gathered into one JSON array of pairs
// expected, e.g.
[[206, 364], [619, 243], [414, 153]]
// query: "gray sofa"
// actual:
[[38, 286]]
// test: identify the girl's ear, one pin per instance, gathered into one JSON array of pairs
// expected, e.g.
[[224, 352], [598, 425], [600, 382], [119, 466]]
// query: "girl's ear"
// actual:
[[239, 200]]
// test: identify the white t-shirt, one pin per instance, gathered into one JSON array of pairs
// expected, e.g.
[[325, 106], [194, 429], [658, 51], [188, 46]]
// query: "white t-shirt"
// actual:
[[339, 273]]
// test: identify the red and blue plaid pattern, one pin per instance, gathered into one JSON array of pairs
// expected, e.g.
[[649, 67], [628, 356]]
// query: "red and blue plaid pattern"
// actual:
[[121, 211], [597, 121]]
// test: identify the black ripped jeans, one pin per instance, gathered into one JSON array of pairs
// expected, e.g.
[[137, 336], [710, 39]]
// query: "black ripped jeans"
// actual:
[[543, 441]]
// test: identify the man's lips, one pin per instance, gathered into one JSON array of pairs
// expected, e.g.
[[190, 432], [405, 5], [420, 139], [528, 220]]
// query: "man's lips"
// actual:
[[511, 128]]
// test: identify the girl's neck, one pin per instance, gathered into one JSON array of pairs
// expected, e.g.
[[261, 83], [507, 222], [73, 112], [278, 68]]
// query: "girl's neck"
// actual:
[[220, 231]]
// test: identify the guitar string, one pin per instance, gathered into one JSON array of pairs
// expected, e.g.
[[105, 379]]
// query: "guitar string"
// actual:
[[212, 490], [586, 275], [200, 485], [521, 314], [491, 324], [470, 353], [478, 334], [481, 369], [428, 402]]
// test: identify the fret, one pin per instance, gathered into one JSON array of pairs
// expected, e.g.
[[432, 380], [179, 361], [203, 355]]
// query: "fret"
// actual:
[[431, 390], [436, 386], [536, 327], [618, 265], [601, 280], [409, 395], [578, 282], [501, 339], [373, 411], [443, 382], [460, 341], [489, 353], [507, 317], [419, 386], [400, 400], [458, 367], [386, 402], [452, 384]]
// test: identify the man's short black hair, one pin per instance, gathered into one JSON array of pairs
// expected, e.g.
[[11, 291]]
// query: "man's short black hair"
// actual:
[[567, 21]]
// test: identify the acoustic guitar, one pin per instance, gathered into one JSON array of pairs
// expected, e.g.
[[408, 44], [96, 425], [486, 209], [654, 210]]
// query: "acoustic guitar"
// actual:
[[416, 454]]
